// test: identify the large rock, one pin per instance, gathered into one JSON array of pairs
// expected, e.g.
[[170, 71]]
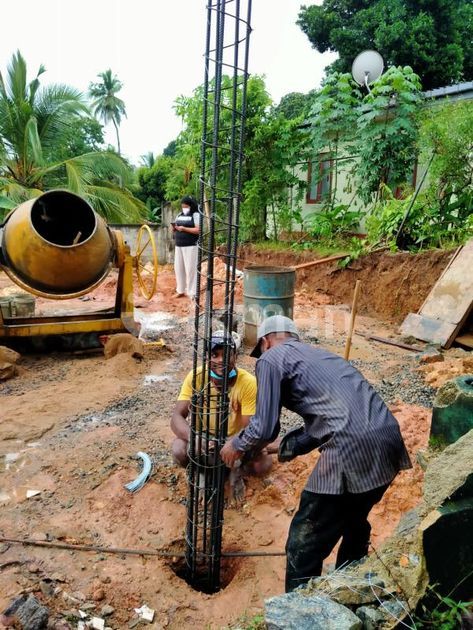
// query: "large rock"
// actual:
[[448, 476], [371, 617], [27, 613], [123, 343], [8, 360], [7, 370], [349, 590], [7, 355], [297, 611], [452, 415], [447, 530]]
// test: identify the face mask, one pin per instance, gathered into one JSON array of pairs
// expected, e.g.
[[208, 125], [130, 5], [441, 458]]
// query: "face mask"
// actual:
[[186, 210], [232, 374]]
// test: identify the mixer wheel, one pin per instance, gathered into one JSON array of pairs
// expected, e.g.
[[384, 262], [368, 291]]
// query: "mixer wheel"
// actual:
[[146, 262]]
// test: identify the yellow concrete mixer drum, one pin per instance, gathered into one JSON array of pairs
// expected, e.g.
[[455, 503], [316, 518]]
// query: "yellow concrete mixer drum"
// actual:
[[57, 246]]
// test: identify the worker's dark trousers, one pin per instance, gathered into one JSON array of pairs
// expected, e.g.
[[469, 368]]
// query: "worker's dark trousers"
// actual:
[[317, 526]]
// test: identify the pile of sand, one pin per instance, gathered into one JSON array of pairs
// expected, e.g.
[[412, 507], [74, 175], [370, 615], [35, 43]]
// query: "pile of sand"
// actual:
[[436, 374]]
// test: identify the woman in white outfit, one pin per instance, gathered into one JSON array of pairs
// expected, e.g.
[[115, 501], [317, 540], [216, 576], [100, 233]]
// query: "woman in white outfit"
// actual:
[[186, 229]]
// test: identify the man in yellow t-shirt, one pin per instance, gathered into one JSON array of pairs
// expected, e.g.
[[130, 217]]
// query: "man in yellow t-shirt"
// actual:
[[242, 405]]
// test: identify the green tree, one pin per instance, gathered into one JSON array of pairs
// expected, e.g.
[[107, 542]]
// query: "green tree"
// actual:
[[442, 213], [106, 104], [148, 159], [152, 181], [272, 145], [333, 121], [295, 105], [35, 125], [170, 150], [83, 134], [431, 36], [388, 130]]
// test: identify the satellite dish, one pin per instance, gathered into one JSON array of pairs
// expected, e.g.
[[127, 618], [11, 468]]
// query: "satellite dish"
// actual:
[[367, 67]]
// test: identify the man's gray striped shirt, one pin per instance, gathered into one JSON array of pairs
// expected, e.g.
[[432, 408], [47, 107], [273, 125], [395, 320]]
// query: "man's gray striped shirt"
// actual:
[[360, 441]]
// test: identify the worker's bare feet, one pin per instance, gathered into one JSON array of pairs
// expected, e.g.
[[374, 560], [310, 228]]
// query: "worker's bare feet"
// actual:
[[179, 295]]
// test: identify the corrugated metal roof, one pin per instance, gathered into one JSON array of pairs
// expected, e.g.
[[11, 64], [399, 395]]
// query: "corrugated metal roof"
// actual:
[[459, 89]]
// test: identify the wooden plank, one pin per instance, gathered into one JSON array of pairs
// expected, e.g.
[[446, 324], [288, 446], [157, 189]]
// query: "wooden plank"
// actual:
[[450, 262], [319, 261], [451, 298], [449, 303], [392, 342], [433, 330]]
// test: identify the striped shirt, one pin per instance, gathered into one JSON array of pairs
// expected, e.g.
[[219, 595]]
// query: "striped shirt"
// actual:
[[360, 441]]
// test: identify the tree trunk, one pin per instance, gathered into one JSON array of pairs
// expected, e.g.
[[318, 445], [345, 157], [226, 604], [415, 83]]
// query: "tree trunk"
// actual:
[[118, 137]]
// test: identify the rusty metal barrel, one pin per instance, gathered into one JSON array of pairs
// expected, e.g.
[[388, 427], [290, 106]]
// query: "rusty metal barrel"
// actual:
[[267, 291], [56, 245]]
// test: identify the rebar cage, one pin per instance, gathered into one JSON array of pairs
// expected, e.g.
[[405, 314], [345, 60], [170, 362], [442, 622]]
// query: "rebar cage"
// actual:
[[224, 107]]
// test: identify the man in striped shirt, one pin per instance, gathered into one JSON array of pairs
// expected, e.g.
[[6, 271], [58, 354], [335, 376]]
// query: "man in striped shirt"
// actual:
[[360, 444]]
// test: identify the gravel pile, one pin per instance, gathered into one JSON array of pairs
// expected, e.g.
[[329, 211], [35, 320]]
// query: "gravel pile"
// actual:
[[406, 385]]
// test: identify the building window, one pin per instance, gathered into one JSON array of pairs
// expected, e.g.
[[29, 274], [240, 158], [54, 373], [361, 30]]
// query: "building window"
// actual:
[[319, 179]]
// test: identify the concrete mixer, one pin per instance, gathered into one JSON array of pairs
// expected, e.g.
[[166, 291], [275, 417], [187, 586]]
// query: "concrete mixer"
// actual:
[[56, 246]]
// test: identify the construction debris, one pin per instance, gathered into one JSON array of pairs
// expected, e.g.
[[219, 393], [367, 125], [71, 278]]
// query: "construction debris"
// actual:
[[145, 613], [25, 612], [441, 317], [144, 475]]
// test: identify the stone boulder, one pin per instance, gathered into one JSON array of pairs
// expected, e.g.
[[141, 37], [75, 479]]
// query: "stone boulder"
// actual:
[[25, 612], [8, 360], [348, 589], [299, 611], [8, 355], [446, 531], [123, 343], [452, 414]]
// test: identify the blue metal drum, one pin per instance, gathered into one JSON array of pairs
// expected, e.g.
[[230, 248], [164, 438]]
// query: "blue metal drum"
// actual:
[[267, 291]]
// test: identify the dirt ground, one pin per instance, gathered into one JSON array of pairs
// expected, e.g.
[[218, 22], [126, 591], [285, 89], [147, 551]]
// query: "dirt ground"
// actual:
[[393, 284], [71, 425]]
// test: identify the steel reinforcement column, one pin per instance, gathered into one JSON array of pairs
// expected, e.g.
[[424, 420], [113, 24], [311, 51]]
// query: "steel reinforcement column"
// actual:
[[223, 129]]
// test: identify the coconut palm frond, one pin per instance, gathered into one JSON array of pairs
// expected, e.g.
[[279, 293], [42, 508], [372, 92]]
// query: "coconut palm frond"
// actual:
[[75, 180], [16, 72], [33, 141], [6, 203], [104, 165], [116, 204], [54, 108]]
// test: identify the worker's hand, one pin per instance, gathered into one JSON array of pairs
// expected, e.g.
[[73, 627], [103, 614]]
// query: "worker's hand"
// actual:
[[180, 228], [229, 454]]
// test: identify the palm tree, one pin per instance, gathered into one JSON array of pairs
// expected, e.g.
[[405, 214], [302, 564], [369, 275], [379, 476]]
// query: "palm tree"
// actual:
[[34, 121], [106, 105], [148, 159]]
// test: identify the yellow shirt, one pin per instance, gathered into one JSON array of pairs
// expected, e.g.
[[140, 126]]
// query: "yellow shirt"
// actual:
[[242, 397]]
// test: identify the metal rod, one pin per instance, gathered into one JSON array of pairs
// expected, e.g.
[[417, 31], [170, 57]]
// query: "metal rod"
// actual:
[[220, 181], [132, 552]]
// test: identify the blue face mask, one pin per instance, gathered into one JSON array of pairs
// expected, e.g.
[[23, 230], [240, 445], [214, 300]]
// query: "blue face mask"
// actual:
[[232, 374]]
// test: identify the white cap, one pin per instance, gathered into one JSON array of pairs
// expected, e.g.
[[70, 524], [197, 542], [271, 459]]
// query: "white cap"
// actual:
[[274, 324]]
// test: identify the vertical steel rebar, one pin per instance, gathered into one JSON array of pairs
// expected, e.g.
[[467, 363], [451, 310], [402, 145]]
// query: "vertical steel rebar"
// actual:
[[223, 126]]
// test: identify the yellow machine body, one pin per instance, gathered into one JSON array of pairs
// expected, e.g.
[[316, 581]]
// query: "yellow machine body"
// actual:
[[57, 247]]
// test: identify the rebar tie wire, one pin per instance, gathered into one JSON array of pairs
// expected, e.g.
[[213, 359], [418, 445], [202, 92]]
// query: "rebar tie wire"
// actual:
[[223, 125]]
